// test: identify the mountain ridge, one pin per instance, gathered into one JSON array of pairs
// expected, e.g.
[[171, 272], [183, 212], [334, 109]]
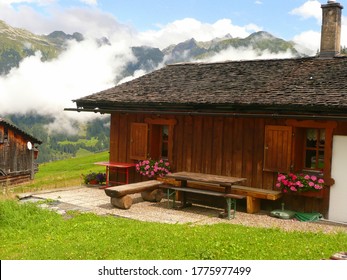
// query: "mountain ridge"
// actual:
[[17, 43]]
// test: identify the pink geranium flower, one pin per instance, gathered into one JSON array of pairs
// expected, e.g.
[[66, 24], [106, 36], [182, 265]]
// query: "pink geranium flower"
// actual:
[[152, 168], [298, 182]]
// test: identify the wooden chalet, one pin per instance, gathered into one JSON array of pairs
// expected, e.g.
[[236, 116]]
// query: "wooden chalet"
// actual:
[[18, 150], [249, 119]]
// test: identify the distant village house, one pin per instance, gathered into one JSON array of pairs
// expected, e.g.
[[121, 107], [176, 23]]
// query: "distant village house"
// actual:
[[18, 151]]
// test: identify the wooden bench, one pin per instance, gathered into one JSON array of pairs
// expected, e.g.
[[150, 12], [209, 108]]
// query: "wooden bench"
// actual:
[[230, 198], [254, 195], [120, 195]]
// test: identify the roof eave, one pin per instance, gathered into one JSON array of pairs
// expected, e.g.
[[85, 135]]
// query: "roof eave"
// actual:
[[213, 109]]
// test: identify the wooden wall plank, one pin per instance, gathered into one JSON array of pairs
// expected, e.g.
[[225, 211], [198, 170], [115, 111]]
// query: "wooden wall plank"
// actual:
[[228, 146], [207, 148], [217, 145], [237, 147], [187, 143], [178, 145], [248, 153], [197, 147], [258, 153]]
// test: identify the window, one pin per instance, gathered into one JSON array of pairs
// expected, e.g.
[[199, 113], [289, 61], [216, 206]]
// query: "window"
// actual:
[[152, 139], [314, 146], [164, 145], [5, 134]]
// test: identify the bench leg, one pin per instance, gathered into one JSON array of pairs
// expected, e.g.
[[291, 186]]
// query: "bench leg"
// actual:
[[231, 202], [253, 205], [169, 194]]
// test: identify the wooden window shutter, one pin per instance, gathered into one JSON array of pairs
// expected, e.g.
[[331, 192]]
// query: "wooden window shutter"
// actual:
[[277, 148], [138, 141]]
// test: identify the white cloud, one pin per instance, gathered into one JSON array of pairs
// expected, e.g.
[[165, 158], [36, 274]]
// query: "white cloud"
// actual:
[[38, 2], [181, 30], [48, 87], [246, 54], [90, 2], [344, 31], [309, 9], [310, 40]]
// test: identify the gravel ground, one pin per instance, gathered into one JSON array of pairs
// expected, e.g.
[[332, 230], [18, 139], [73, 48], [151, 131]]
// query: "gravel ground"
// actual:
[[92, 199]]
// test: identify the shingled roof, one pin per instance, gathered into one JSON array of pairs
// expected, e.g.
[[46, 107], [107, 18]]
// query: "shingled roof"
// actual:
[[20, 131], [280, 85]]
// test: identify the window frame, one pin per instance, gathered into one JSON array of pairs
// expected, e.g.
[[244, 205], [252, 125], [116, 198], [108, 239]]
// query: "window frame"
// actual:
[[297, 155], [170, 123], [142, 136], [316, 149]]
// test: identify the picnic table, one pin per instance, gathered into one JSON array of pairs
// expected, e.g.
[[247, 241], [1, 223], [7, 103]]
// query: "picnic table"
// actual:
[[223, 181]]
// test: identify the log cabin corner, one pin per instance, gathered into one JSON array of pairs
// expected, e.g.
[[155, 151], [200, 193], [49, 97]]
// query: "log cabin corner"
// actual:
[[249, 119], [18, 151]]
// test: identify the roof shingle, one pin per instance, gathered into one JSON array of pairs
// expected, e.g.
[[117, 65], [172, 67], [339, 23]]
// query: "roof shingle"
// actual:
[[305, 83]]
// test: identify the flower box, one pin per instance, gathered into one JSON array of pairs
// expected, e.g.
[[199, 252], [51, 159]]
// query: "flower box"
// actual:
[[300, 184], [94, 178], [153, 168], [313, 194]]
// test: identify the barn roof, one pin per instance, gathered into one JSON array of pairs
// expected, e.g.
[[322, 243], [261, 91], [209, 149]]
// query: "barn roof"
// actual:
[[310, 85], [20, 131]]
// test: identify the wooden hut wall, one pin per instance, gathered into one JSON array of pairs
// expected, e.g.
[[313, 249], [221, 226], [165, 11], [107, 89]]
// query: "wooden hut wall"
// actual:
[[218, 145], [15, 157], [232, 146]]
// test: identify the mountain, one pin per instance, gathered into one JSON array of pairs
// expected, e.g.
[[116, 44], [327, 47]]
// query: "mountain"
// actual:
[[17, 43], [147, 59], [191, 50]]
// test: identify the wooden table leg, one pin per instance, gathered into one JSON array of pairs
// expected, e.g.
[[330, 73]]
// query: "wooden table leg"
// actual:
[[227, 207]]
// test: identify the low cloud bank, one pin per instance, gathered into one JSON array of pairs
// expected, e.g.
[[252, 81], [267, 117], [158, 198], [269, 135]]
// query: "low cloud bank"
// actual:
[[86, 67]]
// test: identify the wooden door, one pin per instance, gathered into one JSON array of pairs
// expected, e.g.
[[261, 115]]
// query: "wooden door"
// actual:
[[139, 141], [277, 148]]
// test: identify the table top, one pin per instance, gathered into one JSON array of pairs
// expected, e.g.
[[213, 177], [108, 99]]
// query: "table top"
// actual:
[[207, 178], [116, 164]]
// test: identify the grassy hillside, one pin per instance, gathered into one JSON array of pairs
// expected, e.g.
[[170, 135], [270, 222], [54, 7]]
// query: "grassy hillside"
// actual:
[[63, 173], [18, 43]]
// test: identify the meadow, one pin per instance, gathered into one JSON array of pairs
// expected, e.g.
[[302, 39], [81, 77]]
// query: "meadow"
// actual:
[[28, 232]]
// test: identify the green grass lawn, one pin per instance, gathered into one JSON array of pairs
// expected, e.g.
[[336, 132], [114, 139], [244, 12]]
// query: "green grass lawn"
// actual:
[[63, 173], [27, 232]]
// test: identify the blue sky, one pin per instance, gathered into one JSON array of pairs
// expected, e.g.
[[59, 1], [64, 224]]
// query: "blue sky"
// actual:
[[297, 20], [272, 16]]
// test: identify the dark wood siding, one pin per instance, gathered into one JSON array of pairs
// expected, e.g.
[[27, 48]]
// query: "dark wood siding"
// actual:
[[16, 160], [232, 146], [221, 145]]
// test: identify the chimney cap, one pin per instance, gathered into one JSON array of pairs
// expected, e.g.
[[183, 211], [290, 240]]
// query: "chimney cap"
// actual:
[[332, 3]]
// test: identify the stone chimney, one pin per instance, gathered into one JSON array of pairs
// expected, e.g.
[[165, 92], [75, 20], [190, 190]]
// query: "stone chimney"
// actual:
[[330, 45]]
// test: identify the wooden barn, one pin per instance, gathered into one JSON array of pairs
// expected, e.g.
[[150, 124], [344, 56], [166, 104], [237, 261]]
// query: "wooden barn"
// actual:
[[251, 119], [18, 150]]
